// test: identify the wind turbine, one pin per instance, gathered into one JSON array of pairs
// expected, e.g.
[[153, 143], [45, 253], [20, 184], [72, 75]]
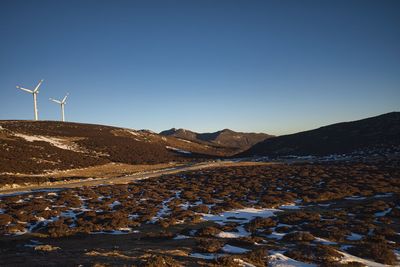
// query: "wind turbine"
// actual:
[[62, 103], [34, 92]]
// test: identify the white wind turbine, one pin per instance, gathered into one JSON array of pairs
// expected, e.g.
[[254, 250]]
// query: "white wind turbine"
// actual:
[[34, 92], [62, 103]]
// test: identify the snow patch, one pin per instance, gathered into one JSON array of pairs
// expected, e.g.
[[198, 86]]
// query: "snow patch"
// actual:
[[178, 150], [180, 237], [57, 142], [383, 213], [354, 237], [205, 256], [234, 250], [355, 198], [324, 241], [243, 263], [115, 203], [290, 207], [241, 232], [241, 215], [349, 258], [279, 260]]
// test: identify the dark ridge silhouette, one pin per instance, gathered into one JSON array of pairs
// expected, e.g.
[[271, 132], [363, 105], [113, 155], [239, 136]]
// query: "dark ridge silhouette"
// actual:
[[380, 132]]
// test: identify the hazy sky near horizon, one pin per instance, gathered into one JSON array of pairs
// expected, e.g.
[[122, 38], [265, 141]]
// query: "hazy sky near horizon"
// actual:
[[266, 66]]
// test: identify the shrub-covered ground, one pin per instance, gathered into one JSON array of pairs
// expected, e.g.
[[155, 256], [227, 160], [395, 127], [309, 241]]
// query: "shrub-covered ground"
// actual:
[[36, 147], [312, 213]]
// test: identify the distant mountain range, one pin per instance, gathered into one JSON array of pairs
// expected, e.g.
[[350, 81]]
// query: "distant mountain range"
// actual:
[[380, 132], [223, 138]]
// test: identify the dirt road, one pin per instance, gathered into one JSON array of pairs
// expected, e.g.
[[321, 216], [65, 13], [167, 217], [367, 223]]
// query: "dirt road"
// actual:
[[125, 179]]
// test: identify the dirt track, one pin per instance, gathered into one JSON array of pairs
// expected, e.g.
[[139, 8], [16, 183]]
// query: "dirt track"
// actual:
[[125, 179]]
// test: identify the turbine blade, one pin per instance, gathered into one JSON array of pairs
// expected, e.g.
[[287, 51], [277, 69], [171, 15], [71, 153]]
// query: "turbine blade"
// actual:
[[65, 98], [54, 100], [37, 86], [24, 89]]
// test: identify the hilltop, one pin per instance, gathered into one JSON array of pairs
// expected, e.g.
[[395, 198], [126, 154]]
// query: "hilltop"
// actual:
[[375, 134], [42, 146]]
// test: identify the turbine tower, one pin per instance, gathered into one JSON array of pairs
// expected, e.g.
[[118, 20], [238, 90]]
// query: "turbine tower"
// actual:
[[34, 92], [62, 103]]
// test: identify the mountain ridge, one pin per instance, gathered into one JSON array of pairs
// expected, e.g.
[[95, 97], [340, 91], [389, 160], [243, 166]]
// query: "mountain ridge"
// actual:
[[344, 137], [225, 137]]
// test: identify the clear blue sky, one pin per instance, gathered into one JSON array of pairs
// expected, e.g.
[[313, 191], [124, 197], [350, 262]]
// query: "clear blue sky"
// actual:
[[267, 66]]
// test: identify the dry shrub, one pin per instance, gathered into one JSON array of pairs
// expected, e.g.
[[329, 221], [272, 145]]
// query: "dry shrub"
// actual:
[[208, 231], [209, 245], [260, 223], [299, 217], [377, 249], [200, 208], [160, 261], [228, 261], [258, 257], [299, 237], [319, 253], [159, 235], [59, 229], [5, 219]]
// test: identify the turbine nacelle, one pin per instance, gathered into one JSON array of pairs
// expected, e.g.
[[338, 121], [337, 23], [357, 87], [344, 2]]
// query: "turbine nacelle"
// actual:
[[61, 103], [34, 92]]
